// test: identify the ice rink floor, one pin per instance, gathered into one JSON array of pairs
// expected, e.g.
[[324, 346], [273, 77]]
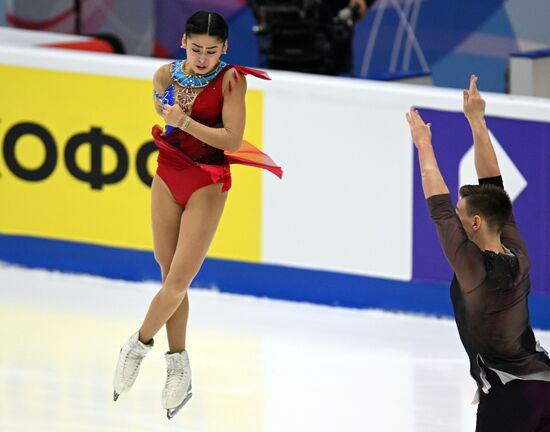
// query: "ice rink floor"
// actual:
[[258, 365]]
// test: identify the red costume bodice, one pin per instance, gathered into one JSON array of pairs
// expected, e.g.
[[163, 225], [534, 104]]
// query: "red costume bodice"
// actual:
[[206, 109], [176, 145]]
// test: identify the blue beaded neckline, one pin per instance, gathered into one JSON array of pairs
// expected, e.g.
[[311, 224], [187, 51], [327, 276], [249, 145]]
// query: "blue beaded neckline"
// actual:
[[192, 81]]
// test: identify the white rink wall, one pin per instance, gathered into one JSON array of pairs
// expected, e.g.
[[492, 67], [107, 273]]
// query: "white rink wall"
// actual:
[[346, 201], [345, 204]]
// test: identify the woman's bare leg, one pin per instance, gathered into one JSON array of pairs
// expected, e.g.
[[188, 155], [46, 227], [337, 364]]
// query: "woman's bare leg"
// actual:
[[198, 225], [176, 327], [165, 219]]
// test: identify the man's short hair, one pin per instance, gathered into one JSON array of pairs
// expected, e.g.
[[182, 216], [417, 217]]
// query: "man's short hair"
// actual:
[[489, 201]]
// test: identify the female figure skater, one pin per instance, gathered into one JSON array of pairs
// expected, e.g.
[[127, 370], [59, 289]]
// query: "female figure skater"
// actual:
[[202, 100]]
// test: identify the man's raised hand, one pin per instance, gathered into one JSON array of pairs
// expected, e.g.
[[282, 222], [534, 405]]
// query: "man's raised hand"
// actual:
[[420, 131], [474, 105]]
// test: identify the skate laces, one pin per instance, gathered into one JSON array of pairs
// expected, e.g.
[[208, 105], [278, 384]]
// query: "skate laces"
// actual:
[[176, 373], [135, 354]]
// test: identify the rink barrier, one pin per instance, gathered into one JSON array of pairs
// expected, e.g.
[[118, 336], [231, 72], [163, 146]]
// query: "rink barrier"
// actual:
[[350, 203], [259, 280]]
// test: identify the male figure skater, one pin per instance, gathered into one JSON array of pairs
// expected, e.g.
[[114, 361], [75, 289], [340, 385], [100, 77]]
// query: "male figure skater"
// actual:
[[491, 283]]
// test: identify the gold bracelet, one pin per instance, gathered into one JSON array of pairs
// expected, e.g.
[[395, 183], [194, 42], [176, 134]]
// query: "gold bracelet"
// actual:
[[185, 123]]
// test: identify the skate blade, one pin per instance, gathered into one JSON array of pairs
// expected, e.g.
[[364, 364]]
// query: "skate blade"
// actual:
[[173, 411], [115, 396]]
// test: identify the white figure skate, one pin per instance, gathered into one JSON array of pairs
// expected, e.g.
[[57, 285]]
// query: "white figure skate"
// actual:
[[129, 361], [177, 389]]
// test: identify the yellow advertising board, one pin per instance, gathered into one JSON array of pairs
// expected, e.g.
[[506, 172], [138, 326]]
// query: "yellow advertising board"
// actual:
[[77, 155]]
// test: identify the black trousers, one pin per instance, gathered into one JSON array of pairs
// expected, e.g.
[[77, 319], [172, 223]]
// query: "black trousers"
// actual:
[[518, 406]]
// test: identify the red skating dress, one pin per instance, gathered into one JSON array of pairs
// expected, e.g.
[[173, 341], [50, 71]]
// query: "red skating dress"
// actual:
[[186, 164]]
